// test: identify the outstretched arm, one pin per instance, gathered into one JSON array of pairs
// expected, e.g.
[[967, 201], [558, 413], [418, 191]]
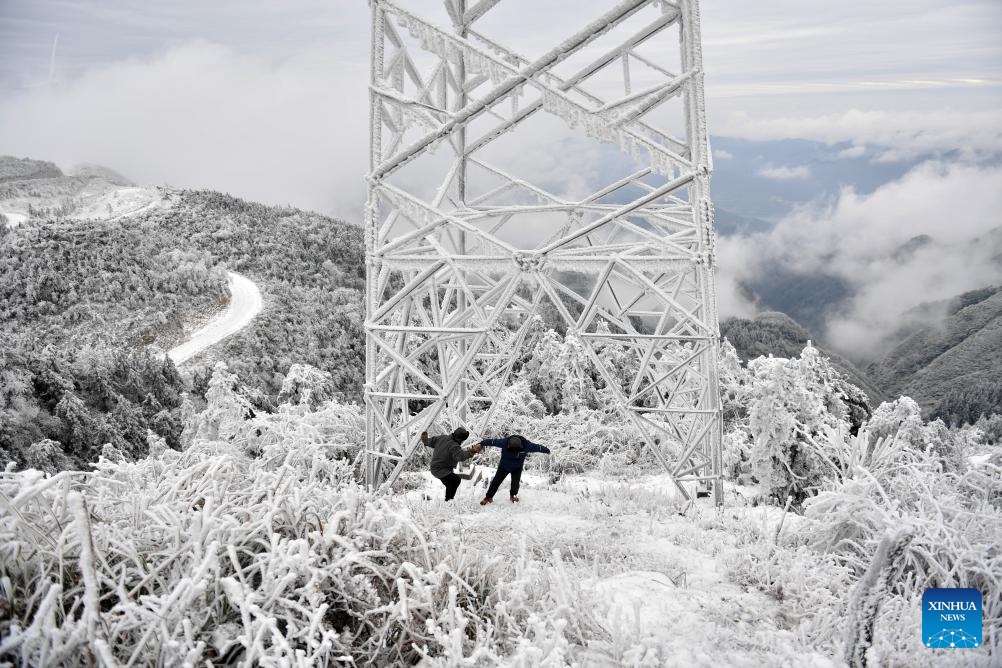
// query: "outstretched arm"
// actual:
[[461, 454], [535, 447], [495, 442]]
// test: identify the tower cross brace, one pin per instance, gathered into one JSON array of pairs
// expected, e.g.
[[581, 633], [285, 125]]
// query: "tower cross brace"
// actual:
[[467, 241]]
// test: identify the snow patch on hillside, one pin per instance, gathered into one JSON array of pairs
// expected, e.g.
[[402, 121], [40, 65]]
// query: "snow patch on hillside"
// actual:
[[100, 204], [88, 198], [14, 218]]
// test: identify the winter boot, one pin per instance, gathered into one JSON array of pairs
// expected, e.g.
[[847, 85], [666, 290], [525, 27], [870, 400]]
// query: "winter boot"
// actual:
[[514, 499], [486, 500]]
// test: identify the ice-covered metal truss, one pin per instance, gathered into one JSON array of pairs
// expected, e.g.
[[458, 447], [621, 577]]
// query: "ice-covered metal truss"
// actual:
[[474, 226]]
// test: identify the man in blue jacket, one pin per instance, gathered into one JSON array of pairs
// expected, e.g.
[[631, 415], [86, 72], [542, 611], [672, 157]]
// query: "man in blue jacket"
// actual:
[[513, 452]]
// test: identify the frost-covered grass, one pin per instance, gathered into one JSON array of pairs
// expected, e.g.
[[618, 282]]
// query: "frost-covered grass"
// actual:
[[255, 546], [214, 555], [278, 558]]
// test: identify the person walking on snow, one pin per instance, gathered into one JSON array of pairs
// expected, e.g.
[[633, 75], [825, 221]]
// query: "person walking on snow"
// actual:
[[513, 452], [446, 452]]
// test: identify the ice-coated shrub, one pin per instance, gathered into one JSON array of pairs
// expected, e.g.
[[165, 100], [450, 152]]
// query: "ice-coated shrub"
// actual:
[[991, 427], [46, 455], [227, 410], [733, 385], [901, 419], [793, 404], [113, 454], [157, 445], [736, 453], [560, 373], [516, 405], [211, 555], [307, 385], [580, 440], [955, 520], [333, 431]]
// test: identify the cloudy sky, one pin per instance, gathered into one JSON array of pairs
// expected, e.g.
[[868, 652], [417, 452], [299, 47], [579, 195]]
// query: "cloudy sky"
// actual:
[[266, 99]]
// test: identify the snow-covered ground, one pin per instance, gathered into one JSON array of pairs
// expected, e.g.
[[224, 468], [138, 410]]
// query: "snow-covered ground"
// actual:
[[245, 303], [254, 546], [98, 199], [658, 580], [14, 218], [118, 203]]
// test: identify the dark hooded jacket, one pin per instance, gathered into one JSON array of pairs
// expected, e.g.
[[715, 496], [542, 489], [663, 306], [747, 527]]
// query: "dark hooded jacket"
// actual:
[[446, 453], [512, 460]]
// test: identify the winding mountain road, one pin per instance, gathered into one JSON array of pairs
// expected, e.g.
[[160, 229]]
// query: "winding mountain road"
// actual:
[[245, 303]]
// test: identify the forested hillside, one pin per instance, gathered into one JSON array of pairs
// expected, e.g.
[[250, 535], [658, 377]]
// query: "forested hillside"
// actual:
[[950, 361], [777, 334], [309, 267], [88, 306], [114, 282], [61, 408], [85, 305], [15, 169]]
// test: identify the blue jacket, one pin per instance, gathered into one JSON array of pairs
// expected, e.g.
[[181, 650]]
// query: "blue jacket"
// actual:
[[511, 461]]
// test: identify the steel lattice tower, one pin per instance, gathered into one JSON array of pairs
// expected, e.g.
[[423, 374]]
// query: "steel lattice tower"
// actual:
[[462, 249]]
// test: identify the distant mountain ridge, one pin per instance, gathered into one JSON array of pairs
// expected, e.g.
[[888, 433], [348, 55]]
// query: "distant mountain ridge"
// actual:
[[23, 169], [777, 334], [952, 366], [948, 355]]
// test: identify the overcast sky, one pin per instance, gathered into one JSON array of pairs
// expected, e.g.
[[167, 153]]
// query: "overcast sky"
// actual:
[[266, 98]]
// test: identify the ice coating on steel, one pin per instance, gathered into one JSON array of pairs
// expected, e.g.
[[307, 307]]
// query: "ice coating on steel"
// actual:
[[457, 272]]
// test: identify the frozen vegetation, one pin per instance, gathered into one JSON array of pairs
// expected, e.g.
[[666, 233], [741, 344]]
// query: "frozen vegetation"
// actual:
[[253, 542], [87, 307], [150, 518]]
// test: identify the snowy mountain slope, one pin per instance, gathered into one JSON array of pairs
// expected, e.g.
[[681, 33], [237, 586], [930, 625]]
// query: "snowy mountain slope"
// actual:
[[24, 169], [274, 555], [312, 265], [771, 333], [956, 351], [87, 195]]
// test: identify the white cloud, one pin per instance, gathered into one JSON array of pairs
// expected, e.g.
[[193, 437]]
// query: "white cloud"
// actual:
[[859, 238], [721, 154], [783, 173], [731, 301], [975, 134], [852, 152]]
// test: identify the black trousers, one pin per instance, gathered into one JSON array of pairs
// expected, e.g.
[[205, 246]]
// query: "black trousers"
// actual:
[[451, 483], [516, 478]]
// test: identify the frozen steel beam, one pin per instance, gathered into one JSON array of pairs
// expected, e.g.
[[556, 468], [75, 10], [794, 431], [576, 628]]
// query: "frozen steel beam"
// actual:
[[465, 245]]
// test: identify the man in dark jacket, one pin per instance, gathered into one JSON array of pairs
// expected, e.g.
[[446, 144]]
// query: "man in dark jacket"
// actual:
[[446, 453], [513, 452]]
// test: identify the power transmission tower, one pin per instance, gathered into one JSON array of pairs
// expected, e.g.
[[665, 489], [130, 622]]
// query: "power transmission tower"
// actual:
[[467, 238]]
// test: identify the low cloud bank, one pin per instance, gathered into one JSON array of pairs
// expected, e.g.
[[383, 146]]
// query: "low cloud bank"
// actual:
[[930, 235], [889, 136], [290, 131]]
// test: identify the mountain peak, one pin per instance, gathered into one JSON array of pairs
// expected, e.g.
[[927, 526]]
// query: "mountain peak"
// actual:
[[26, 169]]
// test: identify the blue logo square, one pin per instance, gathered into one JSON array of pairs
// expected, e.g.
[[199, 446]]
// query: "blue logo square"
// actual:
[[951, 618]]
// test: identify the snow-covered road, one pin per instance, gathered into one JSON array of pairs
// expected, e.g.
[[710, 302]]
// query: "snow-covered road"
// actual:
[[245, 303]]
